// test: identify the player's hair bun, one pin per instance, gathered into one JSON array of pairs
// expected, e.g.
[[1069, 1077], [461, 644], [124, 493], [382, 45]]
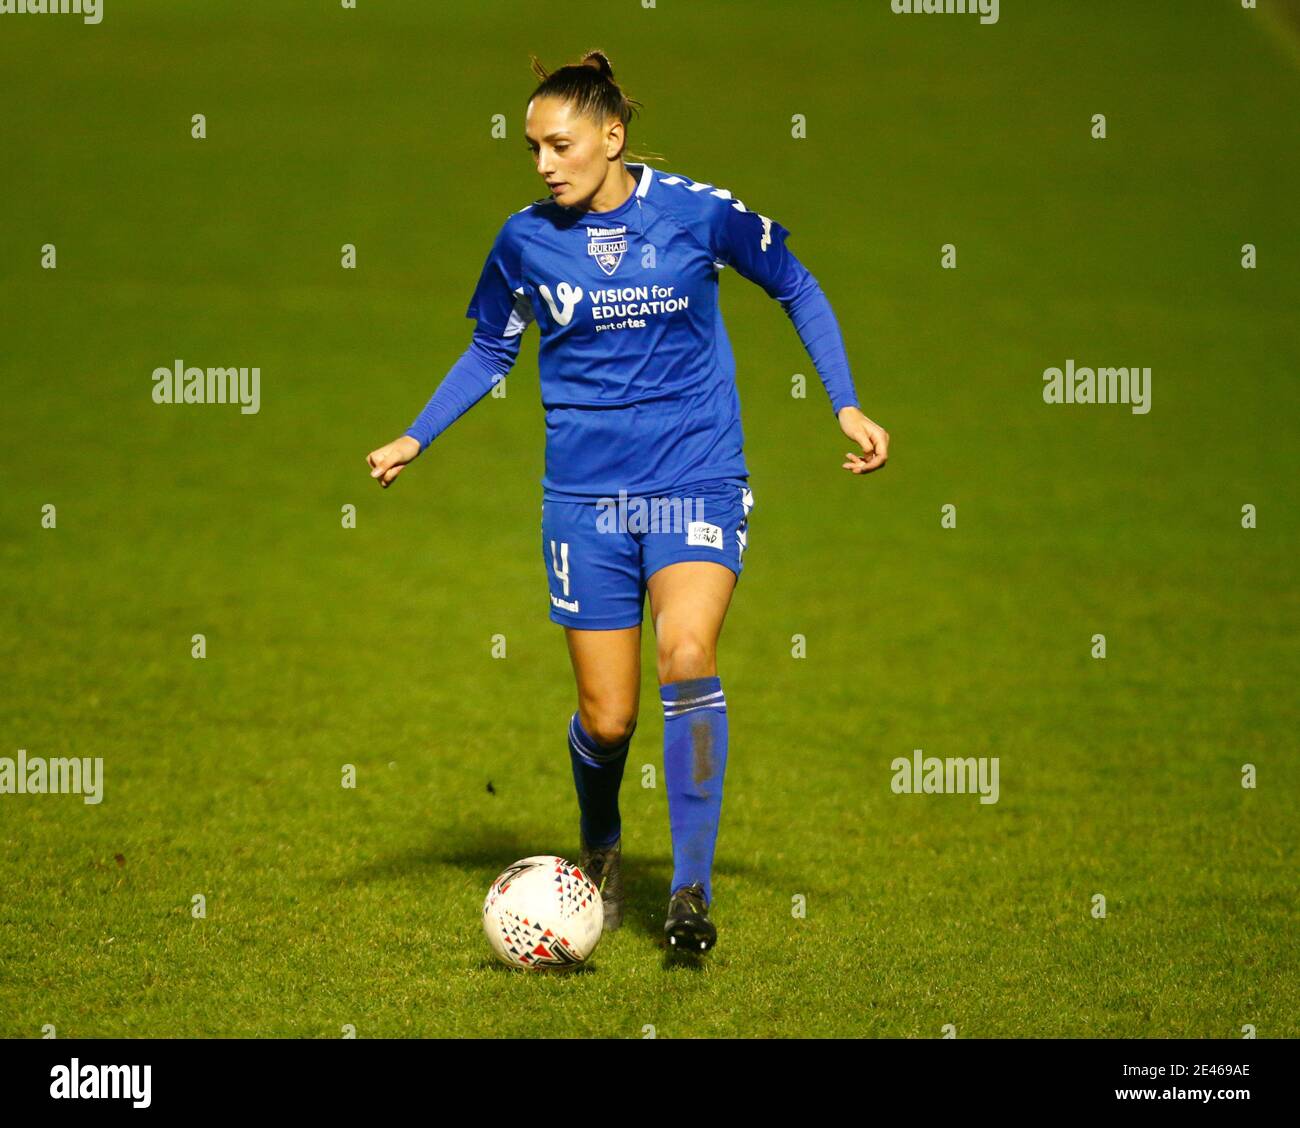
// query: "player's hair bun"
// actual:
[[596, 96], [600, 62]]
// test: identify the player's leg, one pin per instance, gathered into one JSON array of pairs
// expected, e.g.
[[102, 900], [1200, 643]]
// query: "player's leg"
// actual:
[[689, 602], [691, 576], [607, 668], [596, 595]]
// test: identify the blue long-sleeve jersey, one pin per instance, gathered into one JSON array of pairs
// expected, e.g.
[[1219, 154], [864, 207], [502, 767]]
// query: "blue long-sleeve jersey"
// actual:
[[637, 375]]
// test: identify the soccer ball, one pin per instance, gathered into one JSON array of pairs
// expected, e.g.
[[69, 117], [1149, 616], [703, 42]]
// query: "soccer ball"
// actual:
[[543, 913]]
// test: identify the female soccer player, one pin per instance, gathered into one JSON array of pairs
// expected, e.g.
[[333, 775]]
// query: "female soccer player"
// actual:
[[646, 486]]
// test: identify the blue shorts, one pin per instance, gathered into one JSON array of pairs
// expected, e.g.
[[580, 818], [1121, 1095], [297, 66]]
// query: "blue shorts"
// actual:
[[599, 555]]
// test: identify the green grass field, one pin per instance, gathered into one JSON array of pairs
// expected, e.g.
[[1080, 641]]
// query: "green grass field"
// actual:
[[371, 646]]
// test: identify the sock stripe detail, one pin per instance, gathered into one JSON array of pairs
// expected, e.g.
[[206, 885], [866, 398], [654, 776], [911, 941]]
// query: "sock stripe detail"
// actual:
[[669, 702], [587, 749], [720, 707], [676, 711]]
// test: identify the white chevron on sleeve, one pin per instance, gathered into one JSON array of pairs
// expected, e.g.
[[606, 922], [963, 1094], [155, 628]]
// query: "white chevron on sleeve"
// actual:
[[719, 193]]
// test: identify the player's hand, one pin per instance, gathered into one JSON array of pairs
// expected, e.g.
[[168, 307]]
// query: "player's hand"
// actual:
[[387, 462], [871, 437]]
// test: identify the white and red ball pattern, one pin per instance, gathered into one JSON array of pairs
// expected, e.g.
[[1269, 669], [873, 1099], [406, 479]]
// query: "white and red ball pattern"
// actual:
[[543, 913]]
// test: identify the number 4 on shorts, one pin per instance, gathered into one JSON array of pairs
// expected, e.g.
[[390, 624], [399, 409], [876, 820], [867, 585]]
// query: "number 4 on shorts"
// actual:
[[560, 565]]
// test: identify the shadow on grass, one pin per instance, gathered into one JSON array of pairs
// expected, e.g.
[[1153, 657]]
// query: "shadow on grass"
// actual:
[[482, 854]]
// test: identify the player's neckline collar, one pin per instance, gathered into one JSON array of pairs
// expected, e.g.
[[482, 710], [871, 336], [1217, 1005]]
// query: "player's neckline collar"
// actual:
[[643, 174]]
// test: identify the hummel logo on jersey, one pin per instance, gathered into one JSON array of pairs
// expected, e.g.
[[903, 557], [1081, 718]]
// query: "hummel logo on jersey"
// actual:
[[702, 533], [607, 245], [767, 233], [569, 297]]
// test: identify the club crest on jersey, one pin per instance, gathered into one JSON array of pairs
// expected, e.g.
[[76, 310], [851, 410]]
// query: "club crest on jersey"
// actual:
[[607, 246]]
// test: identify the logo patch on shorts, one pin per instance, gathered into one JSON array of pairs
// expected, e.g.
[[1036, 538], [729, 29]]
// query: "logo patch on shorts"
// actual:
[[701, 532]]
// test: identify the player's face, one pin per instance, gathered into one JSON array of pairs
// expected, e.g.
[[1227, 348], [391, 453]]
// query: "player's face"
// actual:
[[569, 149]]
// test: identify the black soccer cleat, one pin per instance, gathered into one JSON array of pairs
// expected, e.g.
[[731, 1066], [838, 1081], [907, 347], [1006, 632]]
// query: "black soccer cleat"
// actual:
[[604, 865], [688, 928]]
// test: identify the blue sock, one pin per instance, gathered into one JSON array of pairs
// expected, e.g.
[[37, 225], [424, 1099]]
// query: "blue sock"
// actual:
[[597, 774], [695, 760]]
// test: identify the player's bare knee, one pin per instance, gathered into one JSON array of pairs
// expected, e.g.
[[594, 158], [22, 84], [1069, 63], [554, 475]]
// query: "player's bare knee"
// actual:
[[609, 728], [686, 658]]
